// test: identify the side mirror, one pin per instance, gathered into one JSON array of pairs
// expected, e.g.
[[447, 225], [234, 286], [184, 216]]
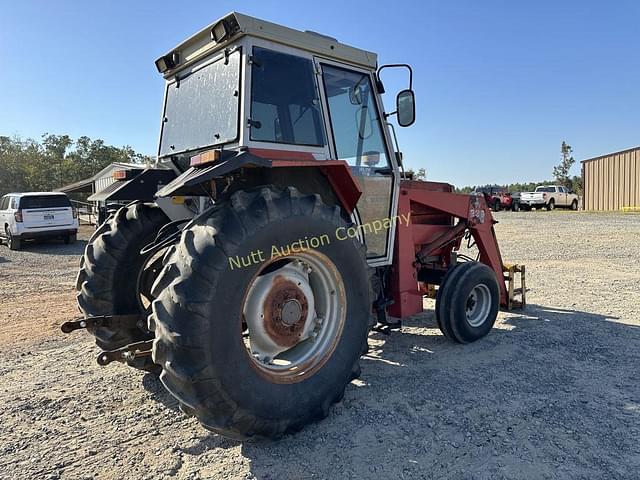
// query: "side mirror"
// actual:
[[406, 108]]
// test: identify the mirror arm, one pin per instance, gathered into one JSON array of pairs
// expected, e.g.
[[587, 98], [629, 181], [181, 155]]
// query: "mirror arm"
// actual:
[[397, 65]]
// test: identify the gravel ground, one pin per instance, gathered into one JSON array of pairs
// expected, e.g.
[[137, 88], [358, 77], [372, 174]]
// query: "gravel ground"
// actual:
[[552, 392]]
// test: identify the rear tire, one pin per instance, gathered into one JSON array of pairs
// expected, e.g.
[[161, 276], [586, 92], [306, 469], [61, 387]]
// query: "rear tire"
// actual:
[[469, 303], [496, 205], [107, 282], [551, 205], [515, 207], [204, 306], [12, 242]]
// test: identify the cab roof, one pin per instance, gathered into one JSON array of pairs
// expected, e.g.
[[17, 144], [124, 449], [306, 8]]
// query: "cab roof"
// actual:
[[236, 25]]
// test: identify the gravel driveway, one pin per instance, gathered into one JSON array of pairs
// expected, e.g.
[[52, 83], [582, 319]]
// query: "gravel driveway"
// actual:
[[552, 392]]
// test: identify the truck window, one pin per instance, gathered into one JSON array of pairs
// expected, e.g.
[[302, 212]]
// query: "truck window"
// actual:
[[44, 201], [285, 107], [546, 189]]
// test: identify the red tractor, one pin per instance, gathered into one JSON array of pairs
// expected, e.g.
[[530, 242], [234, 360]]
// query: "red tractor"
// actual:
[[276, 230]]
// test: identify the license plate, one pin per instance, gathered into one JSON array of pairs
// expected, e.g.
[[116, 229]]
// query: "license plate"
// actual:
[[48, 217]]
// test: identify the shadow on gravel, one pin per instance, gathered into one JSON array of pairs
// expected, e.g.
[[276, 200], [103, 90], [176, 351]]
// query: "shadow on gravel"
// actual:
[[54, 247], [552, 377], [152, 384], [554, 371]]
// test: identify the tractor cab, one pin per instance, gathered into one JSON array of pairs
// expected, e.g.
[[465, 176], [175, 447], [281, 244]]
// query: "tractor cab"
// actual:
[[246, 85]]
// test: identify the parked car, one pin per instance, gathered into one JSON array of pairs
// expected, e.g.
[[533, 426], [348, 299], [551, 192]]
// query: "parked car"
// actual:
[[498, 198], [25, 216], [550, 197]]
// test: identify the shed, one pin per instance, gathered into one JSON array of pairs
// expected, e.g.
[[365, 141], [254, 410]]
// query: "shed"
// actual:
[[612, 181]]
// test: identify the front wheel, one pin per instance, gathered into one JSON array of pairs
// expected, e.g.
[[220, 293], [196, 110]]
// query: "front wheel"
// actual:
[[574, 205], [515, 207], [262, 313], [468, 302]]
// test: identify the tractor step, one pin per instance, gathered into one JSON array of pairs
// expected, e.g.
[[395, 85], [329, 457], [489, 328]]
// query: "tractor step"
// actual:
[[127, 353], [510, 276], [111, 321]]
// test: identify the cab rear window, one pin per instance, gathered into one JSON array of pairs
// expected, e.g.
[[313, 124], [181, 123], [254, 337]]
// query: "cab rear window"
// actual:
[[44, 201]]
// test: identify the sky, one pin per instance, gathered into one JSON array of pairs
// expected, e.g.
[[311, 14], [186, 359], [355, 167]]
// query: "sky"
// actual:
[[499, 84]]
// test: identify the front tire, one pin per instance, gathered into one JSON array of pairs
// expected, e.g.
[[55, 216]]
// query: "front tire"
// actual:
[[108, 282], [235, 348], [468, 306], [574, 205]]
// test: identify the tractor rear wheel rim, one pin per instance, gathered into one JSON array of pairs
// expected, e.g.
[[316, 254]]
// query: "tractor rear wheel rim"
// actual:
[[478, 305], [294, 316]]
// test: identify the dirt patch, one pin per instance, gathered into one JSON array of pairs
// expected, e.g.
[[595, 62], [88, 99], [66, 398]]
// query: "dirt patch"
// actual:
[[552, 392]]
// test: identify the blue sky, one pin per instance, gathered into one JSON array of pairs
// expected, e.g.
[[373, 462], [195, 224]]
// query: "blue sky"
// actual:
[[499, 84]]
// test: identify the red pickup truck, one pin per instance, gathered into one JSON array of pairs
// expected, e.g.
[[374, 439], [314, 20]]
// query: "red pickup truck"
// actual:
[[496, 197]]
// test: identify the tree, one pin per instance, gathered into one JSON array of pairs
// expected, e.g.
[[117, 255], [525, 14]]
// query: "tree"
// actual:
[[420, 174], [561, 172], [57, 160]]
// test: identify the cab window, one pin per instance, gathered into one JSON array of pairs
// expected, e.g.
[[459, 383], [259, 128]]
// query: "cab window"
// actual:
[[284, 100]]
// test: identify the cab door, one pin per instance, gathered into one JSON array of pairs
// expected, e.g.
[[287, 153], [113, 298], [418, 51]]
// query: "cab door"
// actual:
[[359, 136]]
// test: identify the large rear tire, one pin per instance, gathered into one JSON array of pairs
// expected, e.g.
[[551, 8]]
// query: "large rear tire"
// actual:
[[245, 355], [109, 280]]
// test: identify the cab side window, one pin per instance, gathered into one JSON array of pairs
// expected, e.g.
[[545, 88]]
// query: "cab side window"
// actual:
[[285, 107]]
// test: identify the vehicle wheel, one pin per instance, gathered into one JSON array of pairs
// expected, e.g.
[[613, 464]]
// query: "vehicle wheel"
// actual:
[[115, 278], [551, 205], [496, 205], [469, 303], [574, 205], [12, 242], [448, 279], [70, 238], [515, 207], [266, 347]]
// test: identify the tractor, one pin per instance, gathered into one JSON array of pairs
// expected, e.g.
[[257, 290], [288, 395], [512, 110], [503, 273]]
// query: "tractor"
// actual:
[[276, 229]]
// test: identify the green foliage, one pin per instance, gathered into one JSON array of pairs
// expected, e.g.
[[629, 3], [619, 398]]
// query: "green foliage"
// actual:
[[561, 171], [420, 174], [55, 161]]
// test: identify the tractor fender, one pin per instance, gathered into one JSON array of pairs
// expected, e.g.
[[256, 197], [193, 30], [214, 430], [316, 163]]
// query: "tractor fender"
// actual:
[[260, 166]]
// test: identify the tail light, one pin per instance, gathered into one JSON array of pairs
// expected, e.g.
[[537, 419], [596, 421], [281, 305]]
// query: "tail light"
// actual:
[[18, 216], [544, 195]]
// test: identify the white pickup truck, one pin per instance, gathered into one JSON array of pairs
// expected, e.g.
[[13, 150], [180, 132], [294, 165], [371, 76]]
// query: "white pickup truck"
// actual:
[[25, 216], [550, 197]]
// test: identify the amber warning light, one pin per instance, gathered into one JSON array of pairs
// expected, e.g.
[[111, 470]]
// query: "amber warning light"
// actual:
[[205, 158]]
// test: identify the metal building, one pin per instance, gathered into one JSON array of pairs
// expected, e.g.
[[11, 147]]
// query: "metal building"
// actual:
[[612, 181]]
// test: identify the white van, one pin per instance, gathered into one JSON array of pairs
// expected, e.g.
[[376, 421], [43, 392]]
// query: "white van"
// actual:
[[29, 215]]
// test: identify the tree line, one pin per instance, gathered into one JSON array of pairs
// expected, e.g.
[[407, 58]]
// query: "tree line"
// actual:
[[560, 176], [55, 160]]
